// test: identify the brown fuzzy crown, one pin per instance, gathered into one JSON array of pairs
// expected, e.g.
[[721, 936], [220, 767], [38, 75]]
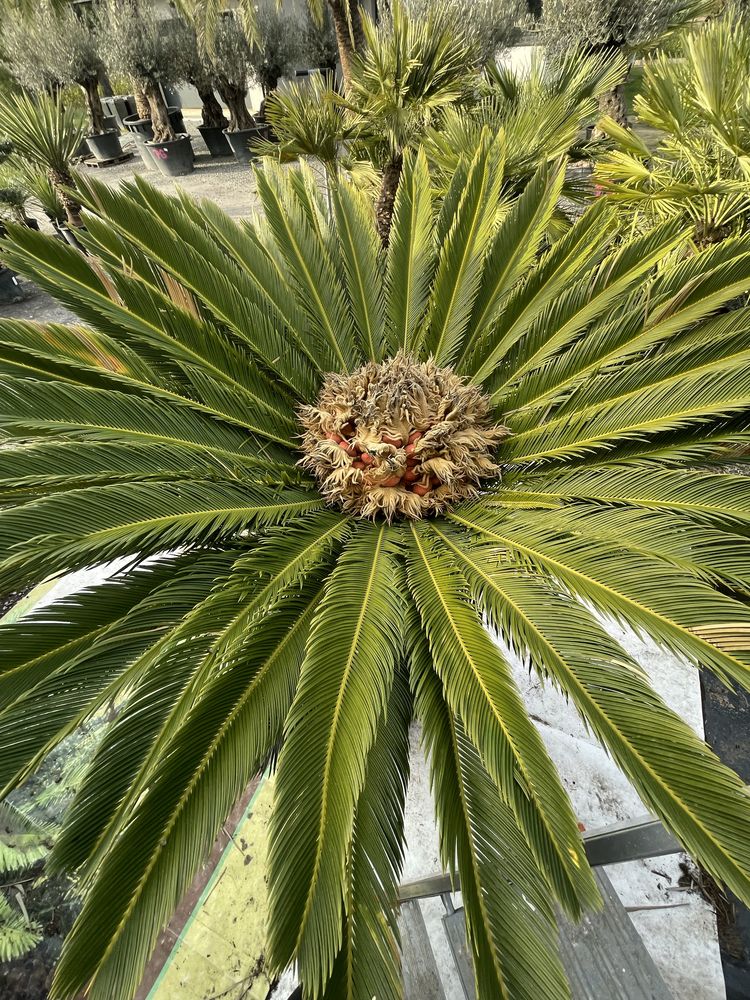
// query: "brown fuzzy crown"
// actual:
[[399, 438]]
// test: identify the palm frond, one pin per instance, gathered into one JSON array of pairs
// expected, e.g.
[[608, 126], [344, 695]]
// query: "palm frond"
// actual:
[[344, 689], [480, 690], [509, 919]]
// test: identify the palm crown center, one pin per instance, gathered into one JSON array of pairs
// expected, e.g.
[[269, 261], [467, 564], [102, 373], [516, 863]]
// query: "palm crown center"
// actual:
[[399, 438]]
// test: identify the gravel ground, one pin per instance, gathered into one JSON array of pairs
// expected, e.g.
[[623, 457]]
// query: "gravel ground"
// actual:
[[230, 184], [222, 179]]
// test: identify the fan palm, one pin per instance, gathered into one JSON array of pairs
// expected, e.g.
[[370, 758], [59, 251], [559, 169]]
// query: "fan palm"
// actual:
[[407, 73], [46, 135], [542, 112], [700, 167], [470, 458]]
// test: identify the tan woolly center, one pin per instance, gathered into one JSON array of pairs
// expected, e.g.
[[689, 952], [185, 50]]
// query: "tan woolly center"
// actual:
[[399, 438]]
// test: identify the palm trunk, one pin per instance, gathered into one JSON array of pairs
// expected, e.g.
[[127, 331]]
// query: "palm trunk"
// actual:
[[212, 112], [160, 123], [90, 87], [64, 184], [613, 104], [387, 197], [143, 110], [348, 37], [234, 98]]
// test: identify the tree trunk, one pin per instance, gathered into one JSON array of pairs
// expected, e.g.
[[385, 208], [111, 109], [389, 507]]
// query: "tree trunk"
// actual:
[[358, 32], [348, 38], [142, 108], [90, 87], [63, 183], [212, 112], [386, 198], [234, 98], [160, 123], [613, 104], [104, 82]]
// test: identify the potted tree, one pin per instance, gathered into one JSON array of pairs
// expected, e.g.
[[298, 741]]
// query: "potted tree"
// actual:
[[230, 62], [277, 47], [73, 50], [200, 74], [137, 42]]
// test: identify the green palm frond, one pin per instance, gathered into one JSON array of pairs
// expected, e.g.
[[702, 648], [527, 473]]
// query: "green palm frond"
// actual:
[[18, 935], [44, 131], [247, 616], [698, 170]]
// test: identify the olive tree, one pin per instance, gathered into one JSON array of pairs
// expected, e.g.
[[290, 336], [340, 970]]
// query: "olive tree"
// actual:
[[629, 27], [278, 44], [141, 44], [488, 25], [230, 62]]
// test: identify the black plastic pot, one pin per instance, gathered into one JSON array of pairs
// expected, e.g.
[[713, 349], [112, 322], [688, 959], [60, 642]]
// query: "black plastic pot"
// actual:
[[140, 129], [173, 158], [176, 120], [215, 140], [240, 142], [10, 290], [105, 146], [138, 126], [144, 126]]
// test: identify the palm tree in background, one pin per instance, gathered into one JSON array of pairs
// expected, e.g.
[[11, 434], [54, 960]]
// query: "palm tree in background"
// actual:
[[326, 468]]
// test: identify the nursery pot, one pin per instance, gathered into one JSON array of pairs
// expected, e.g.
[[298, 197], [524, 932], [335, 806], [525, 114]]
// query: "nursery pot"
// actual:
[[176, 120], [173, 158], [215, 140], [106, 145], [139, 126], [10, 290], [140, 129], [240, 142]]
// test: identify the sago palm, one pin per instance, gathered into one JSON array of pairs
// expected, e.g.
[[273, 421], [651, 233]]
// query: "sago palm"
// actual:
[[332, 475]]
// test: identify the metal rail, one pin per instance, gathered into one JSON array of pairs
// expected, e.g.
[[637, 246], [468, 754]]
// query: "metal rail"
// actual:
[[644, 837]]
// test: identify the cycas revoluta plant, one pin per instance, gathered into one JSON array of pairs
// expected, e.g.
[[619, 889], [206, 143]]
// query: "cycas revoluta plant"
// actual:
[[699, 170], [46, 134], [321, 607], [626, 27]]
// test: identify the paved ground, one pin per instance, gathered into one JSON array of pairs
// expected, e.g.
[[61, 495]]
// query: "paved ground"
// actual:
[[222, 179]]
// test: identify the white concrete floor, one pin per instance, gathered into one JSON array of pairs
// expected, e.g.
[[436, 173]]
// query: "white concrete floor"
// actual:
[[682, 940]]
